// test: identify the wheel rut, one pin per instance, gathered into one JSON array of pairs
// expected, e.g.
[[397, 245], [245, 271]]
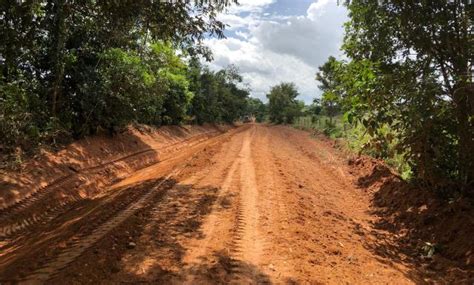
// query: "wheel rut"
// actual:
[[25, 219], [80, 244], [195, 254], [240, 254], [9, 231], [76, 249], [247, 243]]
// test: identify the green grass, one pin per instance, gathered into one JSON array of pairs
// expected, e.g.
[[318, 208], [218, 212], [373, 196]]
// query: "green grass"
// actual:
[[333, 128], [357, 140]]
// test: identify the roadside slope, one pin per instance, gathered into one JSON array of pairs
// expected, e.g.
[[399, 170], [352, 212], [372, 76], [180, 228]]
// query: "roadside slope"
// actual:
[[84, 169]]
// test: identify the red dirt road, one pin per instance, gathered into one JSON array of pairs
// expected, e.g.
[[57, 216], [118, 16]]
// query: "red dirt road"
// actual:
[[256, 205]]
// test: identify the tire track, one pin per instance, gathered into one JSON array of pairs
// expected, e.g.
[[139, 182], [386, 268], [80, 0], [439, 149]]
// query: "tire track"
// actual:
[[9, 231], [40, 192], [176, 216], [204, 248], [213, 218], [247, 244], [69, 255]]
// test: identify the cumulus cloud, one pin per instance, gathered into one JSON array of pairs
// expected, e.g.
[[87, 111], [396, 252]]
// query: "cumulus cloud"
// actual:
[[311, 38], [269, 49], [252, 6]]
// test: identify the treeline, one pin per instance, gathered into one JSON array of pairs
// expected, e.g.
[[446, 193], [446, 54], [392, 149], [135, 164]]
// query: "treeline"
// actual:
[[408, 81], [72, 68]]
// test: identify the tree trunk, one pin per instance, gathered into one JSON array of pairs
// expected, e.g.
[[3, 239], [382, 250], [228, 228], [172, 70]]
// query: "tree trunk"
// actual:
[[57, 53], [464, 99]]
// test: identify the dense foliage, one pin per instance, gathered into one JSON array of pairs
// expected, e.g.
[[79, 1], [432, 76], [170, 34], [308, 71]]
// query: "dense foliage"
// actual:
[[71, 68], [408, 80], [218, 96], [257, 109], [283, 107]]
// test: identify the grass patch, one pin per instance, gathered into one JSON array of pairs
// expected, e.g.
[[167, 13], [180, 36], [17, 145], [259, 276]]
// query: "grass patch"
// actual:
[[357, 140]]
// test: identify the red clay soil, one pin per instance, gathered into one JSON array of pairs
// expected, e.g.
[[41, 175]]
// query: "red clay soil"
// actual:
[[114, 156], [84, 169], [257, 204], [412, 220]]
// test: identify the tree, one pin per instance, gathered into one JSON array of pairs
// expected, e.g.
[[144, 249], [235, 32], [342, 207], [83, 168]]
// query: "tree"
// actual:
[[218, 95], [256, 108], [283, 107], [409, 70], [330, 82], [78, 66], [315, 108]]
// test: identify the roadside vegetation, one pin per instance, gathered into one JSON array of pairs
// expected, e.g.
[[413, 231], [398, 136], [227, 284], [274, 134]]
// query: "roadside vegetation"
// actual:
[[355, 139], [407, 86], [68, 70]]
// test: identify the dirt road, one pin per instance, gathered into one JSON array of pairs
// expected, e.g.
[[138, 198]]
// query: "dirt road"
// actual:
[[256, 205]]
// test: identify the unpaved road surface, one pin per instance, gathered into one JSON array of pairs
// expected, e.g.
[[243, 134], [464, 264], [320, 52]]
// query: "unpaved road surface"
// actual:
[[256, 205]]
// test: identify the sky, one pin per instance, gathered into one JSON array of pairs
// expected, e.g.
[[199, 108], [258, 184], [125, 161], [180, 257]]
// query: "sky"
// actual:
[[273, 41]]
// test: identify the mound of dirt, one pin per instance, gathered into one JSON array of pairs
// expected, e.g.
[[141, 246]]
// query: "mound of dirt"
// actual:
[[432, 234], [370, 172], [86, 166]]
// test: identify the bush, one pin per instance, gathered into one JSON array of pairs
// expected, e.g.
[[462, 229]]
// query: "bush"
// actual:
[[17, 123]]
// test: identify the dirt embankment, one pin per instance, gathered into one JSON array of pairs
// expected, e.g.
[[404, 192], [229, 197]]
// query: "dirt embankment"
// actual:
[[83, 169], [418, 227], [413, 225], [94, 162]]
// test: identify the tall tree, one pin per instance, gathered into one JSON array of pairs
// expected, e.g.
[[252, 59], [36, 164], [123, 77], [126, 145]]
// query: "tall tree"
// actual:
[[330, 82], [58, 43], [283, 107], [219, 96], [412, 69]]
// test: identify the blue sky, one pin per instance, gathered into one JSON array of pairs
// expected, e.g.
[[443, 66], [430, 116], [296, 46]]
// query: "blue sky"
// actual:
[[273, 41], [289, 7]]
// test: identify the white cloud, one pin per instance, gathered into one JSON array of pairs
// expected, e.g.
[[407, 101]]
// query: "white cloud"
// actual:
[[253, 6], [317, 9], [233, 21], [242, 34], [270, 50], [312, 38]]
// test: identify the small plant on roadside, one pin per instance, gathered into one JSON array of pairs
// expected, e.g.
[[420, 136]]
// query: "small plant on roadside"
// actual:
[[429, 249]]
